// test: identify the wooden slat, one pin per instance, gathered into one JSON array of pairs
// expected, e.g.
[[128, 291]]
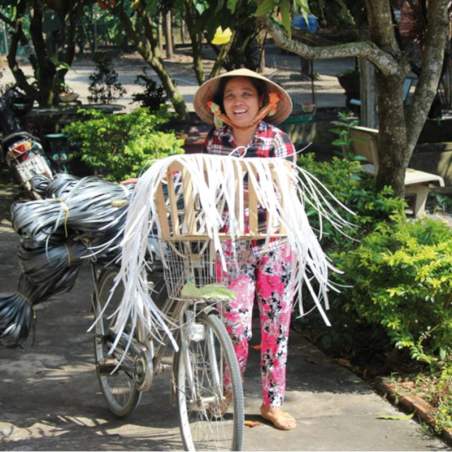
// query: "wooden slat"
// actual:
[[189, 203], [239, 199], [172, 199], [252, 206], [281, 229], [162, 213]]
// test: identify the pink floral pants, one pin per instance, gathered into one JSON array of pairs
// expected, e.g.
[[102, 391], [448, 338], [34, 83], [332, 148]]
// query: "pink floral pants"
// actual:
[[264, 276]]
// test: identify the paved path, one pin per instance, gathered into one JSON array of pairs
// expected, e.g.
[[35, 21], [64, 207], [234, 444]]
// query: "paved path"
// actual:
[[49, 396], [50, 400]]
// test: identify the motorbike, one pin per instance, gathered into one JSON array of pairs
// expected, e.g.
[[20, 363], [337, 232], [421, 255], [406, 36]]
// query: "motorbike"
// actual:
[[22, 152]]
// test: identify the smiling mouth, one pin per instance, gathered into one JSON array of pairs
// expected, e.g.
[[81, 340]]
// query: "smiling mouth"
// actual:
[[239, 112]]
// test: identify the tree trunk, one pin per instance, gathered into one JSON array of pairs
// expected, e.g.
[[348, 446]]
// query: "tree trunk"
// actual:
[[434, 46], [198, 64], [45, 70], [18, 36], [49, 77], [168, 27], [261, 38], [392, 138], [141, 34], [183, 31], [160, 33], [173, 93], [196, 42], [221, 58]]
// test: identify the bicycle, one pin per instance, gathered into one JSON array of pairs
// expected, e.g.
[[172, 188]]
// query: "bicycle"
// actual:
[[211, 416], [205, 355]]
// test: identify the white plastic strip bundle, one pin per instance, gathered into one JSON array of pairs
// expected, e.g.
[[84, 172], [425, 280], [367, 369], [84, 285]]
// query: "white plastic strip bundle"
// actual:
[[280, 188]]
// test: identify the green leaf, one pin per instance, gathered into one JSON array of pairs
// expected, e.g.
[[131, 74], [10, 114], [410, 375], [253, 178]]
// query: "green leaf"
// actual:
[[286, 16], [265, 7], [232, 5], [302, 6], [340, 142], [200, 7]]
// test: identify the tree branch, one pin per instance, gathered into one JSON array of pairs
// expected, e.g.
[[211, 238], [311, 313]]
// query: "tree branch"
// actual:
[[382, 60], [68, 53], [431, 67], [381, 27], [36, 33], [16, 36]]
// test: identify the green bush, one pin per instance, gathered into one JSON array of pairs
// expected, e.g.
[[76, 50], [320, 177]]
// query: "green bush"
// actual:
[[120, 146], [401, 281], [396, 285], [356, 190]]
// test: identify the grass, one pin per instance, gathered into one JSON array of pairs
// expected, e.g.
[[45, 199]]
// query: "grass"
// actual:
[[435, 387]]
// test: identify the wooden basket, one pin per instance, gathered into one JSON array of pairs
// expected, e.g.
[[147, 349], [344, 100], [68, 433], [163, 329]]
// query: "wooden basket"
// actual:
[[179, 211]]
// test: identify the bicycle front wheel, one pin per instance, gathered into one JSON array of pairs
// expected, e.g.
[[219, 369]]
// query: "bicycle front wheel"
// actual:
[[209, 387]]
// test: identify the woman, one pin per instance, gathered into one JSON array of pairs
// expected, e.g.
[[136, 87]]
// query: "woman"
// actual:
[[238, 102]]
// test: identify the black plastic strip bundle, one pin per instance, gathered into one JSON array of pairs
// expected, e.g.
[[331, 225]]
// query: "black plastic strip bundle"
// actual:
[[87, 208], [40, 184], [47, 270], [61, 185], [37, 220], [44, 262], [15, 318], [50, 260]]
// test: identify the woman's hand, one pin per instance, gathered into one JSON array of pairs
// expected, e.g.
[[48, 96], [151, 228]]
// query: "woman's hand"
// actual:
[[131, 180]]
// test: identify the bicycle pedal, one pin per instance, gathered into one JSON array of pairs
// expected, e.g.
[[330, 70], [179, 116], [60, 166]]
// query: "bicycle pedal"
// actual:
[[163, 367], [107, 366]]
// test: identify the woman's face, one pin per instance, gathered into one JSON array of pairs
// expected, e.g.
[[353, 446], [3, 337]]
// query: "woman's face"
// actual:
[[241, 101]]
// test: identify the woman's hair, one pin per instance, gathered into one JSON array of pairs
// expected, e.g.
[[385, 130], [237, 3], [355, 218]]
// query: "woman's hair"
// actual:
[[260, 85]]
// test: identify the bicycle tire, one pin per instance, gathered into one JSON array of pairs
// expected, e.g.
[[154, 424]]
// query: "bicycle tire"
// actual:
[[204, 425], [117, 385]]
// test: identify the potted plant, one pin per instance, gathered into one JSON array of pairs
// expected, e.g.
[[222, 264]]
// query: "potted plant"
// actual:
[[67, 95]]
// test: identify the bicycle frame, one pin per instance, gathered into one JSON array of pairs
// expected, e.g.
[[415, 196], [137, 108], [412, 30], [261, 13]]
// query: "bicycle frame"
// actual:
[[182, 313]]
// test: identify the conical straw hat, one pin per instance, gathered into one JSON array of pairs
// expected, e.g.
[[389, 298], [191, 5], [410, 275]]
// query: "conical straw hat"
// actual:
[[208, 90]]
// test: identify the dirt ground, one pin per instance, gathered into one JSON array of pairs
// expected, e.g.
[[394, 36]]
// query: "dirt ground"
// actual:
[[281, 67]]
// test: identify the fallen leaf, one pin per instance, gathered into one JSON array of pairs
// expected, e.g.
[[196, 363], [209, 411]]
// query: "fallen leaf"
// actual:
[[344, 362], [252, 424], [396, 417]]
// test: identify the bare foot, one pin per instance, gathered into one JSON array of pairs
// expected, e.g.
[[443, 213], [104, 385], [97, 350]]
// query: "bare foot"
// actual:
[[279, 418]]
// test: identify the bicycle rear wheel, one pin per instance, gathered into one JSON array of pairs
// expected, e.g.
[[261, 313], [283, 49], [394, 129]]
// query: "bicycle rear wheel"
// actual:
[[118, 383], [207, 422]]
